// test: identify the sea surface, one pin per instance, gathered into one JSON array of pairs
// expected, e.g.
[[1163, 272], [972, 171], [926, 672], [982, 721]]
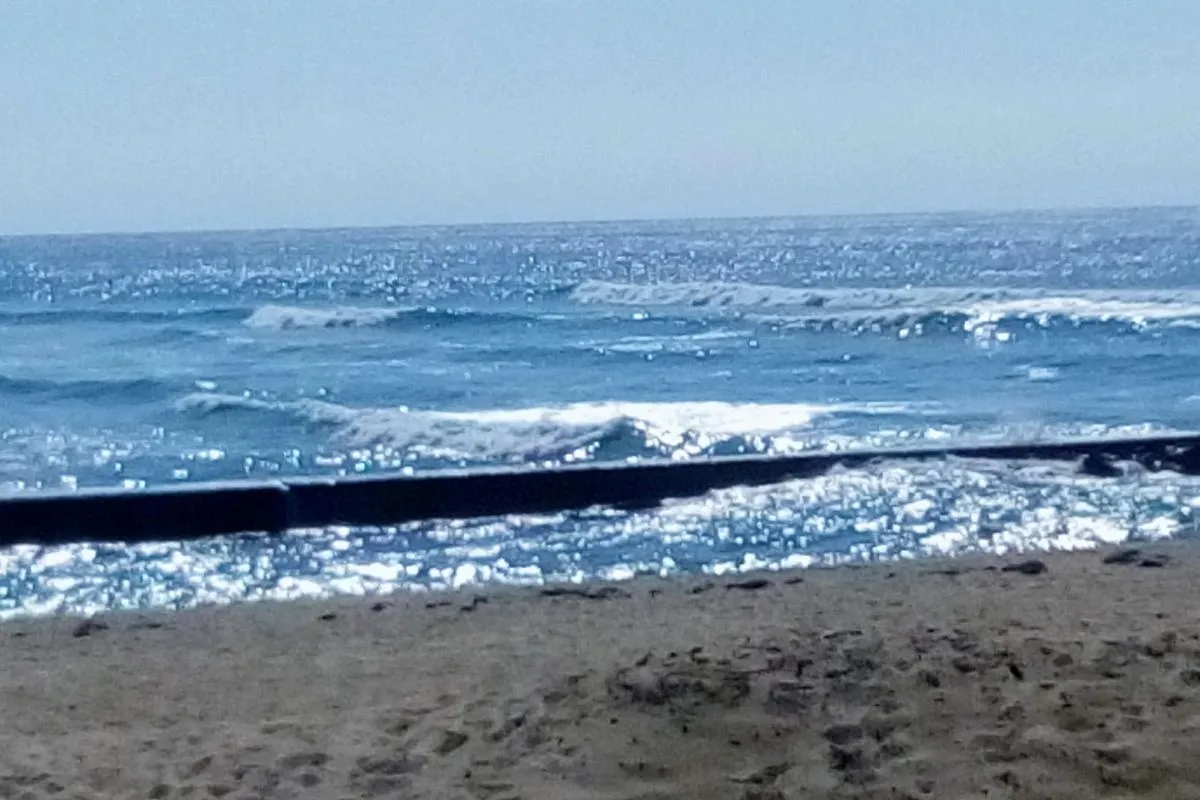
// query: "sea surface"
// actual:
[[141, 360]]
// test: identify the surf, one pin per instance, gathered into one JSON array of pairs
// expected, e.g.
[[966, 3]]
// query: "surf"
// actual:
[[572, 432], [294, 318], [958, 307]]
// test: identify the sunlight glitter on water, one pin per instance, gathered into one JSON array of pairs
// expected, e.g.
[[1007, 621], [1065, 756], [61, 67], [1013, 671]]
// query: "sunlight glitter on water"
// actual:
[[888, 511]]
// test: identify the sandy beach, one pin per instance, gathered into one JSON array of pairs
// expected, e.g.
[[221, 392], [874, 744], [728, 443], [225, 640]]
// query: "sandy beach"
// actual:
[[954, 679]]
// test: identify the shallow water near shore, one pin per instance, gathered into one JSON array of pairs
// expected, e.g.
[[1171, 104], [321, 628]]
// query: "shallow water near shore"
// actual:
[[147, 360]]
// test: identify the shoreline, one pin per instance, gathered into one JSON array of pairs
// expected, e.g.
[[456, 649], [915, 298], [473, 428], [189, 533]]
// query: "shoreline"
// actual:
[[222, 508], [913, 679]]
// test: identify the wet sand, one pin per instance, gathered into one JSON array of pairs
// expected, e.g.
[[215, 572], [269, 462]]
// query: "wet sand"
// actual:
[[921, 680]]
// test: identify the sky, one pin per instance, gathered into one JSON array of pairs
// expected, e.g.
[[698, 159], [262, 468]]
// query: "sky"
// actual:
[[143, 115]]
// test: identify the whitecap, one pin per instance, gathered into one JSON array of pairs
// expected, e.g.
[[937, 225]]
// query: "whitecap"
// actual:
[[543, 432], [293, 318], [885, 307]]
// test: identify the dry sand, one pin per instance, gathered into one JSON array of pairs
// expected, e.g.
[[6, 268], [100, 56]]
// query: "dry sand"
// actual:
[[943, 680]]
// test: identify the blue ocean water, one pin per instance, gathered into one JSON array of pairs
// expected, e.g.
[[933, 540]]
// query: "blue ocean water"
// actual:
[[152, 359]]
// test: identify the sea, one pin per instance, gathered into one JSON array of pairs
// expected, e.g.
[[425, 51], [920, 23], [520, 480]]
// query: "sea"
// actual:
[[135, 361]]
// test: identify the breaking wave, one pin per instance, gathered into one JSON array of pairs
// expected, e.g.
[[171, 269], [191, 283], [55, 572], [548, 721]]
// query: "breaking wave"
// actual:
[[858, 307], [274, 317], [571, 432], [269, 317]]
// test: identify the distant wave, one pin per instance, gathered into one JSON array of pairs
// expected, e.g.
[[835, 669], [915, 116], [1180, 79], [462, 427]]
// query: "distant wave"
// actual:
[[58, 316], [287, 318], [896, 307], [129, 390], [275, 317], [576, 431], [686, 343], [267, 317]]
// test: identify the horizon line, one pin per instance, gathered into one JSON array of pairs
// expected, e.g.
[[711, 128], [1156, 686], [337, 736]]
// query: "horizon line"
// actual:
[[202, 231]]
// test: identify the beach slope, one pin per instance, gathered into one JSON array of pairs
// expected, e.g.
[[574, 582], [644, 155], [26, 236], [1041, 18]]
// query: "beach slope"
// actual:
[[919, 680]]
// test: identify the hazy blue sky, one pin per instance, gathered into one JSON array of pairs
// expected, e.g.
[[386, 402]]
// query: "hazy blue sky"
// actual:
[[179, 114]]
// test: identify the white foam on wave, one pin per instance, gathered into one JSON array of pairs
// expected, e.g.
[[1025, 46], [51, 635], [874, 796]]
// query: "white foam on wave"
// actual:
[[295, 318], [316, 412], [565, 431], [679, 343], [863, 306], [1140, 307]]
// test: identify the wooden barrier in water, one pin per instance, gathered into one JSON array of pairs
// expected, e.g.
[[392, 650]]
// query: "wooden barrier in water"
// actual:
[[174, 513]]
